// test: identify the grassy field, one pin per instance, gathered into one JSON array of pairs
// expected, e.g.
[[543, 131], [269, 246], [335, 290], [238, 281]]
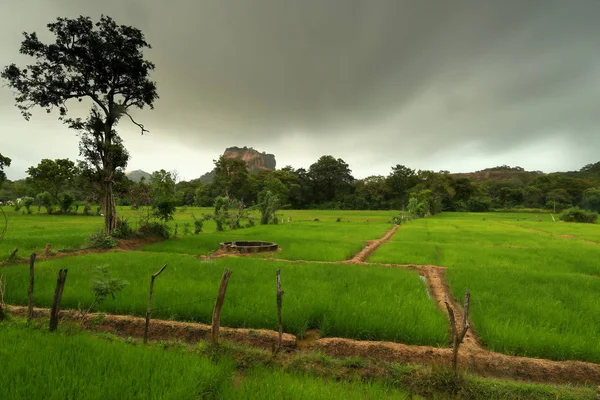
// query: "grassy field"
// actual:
[[534, 283], [302, 238], [72, 364], [39, 365], [533, 293], [361, 302]]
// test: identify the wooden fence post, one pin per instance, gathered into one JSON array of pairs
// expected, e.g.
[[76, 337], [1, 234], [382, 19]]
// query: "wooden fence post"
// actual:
[[60, 285], [13, 255], [216, 317], [149, 309], [30, 291], [279, 304], [458, 337]]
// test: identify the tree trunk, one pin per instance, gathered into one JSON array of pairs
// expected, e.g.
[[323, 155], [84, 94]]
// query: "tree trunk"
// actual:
[[108, 205]]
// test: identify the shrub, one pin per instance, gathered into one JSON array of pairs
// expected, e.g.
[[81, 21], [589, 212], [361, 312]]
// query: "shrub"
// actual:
[[101, 240], [45, 199], [479, 204], [154, 228], [576, 214], [123, 229], [66, 201], [104, 285], [27, 203], [268, 204]]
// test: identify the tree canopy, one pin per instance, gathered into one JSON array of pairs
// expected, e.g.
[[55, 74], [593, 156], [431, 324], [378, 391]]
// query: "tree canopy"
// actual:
[[102, 62]]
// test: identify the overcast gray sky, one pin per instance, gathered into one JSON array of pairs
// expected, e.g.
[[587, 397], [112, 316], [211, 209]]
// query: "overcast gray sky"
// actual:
[[458, 85]]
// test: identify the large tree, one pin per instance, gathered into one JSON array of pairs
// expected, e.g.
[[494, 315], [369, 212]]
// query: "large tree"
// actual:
[[53, 176], [102, 62], [4, 162], [330, 178]]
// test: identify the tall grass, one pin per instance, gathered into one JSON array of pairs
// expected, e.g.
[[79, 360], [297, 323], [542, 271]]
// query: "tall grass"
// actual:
[[39, 365], [298, 240], [361, 302], [265, 384], [533, 293], [533, 313]]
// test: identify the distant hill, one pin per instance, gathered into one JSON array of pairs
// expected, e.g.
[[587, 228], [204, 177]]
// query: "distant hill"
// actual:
[[255, 161], [137, 175], [503, 172]]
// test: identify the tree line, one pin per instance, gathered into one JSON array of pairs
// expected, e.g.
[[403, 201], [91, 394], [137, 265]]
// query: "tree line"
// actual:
[[103, 64], [62, 184]]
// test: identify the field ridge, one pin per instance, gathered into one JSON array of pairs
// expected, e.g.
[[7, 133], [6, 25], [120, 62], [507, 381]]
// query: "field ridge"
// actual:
[[480, 361]]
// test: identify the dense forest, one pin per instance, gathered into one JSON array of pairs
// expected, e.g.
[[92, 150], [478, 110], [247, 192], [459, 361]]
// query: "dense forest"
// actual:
[[61, 185]]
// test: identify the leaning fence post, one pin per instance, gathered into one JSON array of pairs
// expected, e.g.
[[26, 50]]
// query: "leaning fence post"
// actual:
[[216, 316], [457, 338], [279, 304], [149, 309], [60, 285], [30, 291]]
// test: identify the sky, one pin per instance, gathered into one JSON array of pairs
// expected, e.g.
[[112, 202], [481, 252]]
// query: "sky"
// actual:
[[456, 85]]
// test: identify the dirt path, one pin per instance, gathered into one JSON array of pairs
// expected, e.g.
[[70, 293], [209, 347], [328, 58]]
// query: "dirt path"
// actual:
[[122, 245], [440, 291], [475, 360], [372, 245]]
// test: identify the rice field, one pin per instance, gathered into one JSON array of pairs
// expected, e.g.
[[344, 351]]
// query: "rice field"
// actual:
[[534, 282], [534, 292], [354, 301]]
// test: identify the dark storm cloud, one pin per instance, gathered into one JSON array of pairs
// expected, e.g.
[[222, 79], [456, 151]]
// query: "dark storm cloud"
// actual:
[[378, 82]]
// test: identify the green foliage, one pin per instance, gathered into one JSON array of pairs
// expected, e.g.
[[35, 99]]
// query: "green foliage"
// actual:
[[45, 199], [104, 285], [231, 177], [53, 177], [330, 178], [268, 204], [591, 199], [416, 208], [154, 229], [27, 202], [162, 195], [4, 162], [123, 229], [576, 214], [74, 67], [101, 240], [66, 201]]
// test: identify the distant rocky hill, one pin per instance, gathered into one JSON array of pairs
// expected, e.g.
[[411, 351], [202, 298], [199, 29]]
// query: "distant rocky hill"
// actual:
[[137, 175], [503, 172], [255, 161]]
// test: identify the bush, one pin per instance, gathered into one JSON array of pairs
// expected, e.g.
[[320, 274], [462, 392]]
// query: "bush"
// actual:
[[45, 199], [155, 229], [66, 201], [123, 229], [576, 214], [479, 204], [27, 203], [101, 240]]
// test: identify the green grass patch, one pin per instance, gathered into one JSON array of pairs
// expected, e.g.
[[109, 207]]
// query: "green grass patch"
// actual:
[[40, 365], [312, 241], [533, 313], [263, 384], [533, 294], [354, 301]]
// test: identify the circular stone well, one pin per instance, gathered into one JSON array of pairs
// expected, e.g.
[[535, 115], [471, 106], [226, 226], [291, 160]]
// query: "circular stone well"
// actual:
[[248, 247]]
